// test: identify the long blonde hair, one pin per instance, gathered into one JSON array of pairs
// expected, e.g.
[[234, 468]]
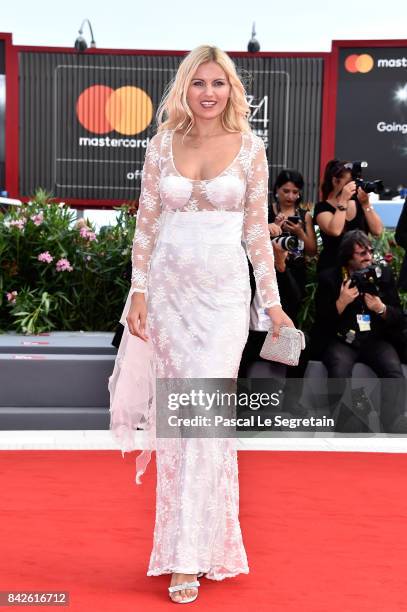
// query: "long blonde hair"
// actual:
[[174, 113]]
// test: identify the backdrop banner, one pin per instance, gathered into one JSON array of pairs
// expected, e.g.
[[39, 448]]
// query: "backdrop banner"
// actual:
[[86, 120], [371, 121]]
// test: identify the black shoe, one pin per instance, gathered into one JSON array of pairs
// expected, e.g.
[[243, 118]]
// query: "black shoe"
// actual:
[[352, 425], [298, 410], [399, 425]]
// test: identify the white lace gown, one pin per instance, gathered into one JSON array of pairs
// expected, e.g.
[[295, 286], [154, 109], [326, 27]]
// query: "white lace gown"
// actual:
[[189, 260]]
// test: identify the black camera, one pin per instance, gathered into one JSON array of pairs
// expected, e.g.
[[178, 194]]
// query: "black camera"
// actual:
[[288, 242], [370, 186], [356, 168], [366, 280]]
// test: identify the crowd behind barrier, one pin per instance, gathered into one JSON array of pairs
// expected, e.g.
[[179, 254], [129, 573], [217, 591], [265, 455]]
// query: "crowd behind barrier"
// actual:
[[359, 317]]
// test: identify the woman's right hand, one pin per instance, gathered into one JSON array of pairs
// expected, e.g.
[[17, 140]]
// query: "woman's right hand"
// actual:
[[274, 229], [348, 191], [280, 219], [137, 316]]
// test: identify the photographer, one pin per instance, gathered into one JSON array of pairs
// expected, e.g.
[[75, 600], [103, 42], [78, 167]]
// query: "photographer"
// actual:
[[357, 312], [341, 211], [293, 236]]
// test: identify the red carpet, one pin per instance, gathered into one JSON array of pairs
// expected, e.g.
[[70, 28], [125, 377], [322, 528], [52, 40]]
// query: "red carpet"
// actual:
[[324, 532]]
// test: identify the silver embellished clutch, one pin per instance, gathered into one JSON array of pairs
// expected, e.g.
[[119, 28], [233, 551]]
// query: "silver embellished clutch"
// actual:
[[286, 349]]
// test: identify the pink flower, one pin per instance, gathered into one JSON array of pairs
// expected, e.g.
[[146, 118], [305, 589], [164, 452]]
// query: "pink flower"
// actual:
[[45, 257], [388, 257], [87, 233], [63, 265], [80, 223], [11, 296], [19, 223], [37, 219]]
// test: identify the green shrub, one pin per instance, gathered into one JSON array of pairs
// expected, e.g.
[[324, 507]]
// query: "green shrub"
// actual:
[[63, 275]]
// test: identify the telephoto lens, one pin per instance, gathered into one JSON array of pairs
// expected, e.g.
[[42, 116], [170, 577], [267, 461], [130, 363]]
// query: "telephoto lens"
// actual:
[[370, 186], [286, 242]]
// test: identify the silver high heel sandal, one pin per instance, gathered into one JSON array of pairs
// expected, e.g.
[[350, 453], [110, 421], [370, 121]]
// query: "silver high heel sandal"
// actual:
[[181, 587]]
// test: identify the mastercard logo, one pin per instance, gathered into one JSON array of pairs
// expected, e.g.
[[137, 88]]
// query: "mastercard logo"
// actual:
[[359, 63], [127, 110]]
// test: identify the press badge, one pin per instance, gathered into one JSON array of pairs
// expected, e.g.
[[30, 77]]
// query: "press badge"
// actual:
[[363, 322]]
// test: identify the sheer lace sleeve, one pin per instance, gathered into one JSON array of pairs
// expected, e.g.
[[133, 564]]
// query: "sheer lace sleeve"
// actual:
[[148, 215], [255, 228]]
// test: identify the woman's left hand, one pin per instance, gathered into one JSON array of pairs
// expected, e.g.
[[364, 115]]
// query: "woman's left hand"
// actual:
[[362, 197], [278, 319], [294, 228]]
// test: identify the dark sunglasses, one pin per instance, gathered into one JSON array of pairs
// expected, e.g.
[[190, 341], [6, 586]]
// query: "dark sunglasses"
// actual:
[[364, 252]]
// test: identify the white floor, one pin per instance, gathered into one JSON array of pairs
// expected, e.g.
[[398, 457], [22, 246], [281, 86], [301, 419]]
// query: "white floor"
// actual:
[[102, 440]]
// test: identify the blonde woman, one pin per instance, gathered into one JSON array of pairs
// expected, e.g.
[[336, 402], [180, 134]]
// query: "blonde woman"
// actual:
[[204, 190]]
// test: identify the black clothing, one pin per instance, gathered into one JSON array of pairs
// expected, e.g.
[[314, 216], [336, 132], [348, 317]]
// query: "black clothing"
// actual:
[[328, 323], [381, 356], [117, 338], [118, 334], [330, 244], [374, 348], [292, 282], [401, 239], [291, 286], [270, 373]]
